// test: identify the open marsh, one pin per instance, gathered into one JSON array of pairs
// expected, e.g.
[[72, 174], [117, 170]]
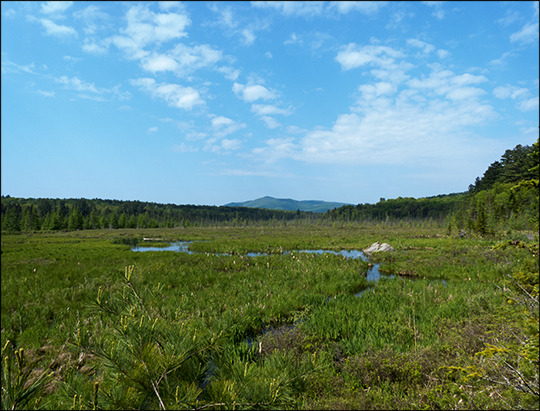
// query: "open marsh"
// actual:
[[64, 294]]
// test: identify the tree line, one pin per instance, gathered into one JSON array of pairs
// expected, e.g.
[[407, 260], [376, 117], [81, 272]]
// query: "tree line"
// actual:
[[20, 214], [506, 195]]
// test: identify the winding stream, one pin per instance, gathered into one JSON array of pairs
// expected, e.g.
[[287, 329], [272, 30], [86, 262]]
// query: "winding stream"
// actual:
[[372, 274]]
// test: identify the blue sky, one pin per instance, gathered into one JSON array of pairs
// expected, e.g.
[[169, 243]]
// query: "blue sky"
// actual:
[[209, 103]]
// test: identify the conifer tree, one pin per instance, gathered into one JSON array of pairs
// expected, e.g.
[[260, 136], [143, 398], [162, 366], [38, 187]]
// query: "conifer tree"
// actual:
[[122, 221]]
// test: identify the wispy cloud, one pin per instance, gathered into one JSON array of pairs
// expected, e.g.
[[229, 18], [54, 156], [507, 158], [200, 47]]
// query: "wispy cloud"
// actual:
[[11, 67], [181, 59], [55, 7], [527, 35], [426, 47], [183, 148], [253, 92], [293, 8], [174, 95], [365, 7], [145, 27], [439, 13], [310, 9], [354, 55], [46, 93], [53, 29], [265, 109], [223, 126]]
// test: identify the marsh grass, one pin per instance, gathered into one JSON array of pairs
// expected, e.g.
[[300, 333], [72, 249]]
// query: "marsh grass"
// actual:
[[321, 346]]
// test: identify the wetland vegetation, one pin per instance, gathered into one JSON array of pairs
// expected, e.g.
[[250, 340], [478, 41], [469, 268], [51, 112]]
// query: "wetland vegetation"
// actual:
[[246, 320]]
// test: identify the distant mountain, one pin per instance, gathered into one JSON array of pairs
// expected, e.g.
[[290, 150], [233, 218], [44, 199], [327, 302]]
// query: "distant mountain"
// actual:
[[288, 204]]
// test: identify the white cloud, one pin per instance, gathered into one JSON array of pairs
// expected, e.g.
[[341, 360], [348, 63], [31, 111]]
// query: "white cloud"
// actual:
[[183, 148], [53, 29], [444, 82], [510, 18], [528, 34], [276, 148], [253, 92], [53, 7], [226, 17], [168, 5], [174, 94], [10, 67], [353, 55], [9, 13], [271, 122], [293, 39], [92, 15], [268, 55], [439, 12], [75, 83], [222, 146], [229, 72], [421, 123], [502, 60], [249, 37], [427, 48], [512, 92], [502, 92], [319, 8], [159, 62], [152, 130], [181, 59], [46, 93], [224, 126], [370, 91], [366, 7], [145, 27], [230, 144], [92, 47], [265, 109], [443, 53], [463, 93], [528, 105], [293, 8]]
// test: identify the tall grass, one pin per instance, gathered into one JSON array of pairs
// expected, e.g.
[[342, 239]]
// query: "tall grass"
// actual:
[[292, 326]]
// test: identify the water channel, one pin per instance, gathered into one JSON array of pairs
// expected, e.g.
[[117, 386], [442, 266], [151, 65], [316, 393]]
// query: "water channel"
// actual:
[[183, 247], [372, 274]]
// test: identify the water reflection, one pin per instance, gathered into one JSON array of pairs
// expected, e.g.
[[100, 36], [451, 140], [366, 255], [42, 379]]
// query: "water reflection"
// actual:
[[183, 247], [179, 247]]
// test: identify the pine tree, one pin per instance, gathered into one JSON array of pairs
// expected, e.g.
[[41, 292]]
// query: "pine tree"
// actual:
[[122, 221], [11, 220]]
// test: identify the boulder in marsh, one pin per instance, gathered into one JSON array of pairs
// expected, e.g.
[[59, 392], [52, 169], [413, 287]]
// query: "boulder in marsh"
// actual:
[[376, 247]]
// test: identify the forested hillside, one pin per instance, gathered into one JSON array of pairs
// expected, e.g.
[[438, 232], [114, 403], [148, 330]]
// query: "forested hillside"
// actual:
[[20, 214], [507, 194]]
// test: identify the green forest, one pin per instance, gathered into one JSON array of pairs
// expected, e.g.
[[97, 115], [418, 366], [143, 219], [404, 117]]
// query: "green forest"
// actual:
[[491, 200]]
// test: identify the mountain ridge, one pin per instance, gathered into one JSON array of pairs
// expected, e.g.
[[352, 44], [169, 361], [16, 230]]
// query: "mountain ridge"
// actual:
[[289, 204]]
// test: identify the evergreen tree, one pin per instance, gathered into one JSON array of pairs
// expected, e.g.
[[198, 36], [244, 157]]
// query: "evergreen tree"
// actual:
[[75, 219], [11, 220], [57, 220], [142, 220], [94, 218], [122, 221], [113, 220], [132, 223]]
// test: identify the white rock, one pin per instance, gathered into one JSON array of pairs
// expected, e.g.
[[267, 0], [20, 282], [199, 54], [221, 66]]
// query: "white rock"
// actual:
[[376, 247]]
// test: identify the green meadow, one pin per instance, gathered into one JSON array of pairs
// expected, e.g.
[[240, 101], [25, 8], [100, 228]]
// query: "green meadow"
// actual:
[[87, 323]]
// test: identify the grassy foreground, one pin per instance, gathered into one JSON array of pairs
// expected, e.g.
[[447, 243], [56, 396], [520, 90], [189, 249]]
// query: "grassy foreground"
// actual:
[[89, 324]]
